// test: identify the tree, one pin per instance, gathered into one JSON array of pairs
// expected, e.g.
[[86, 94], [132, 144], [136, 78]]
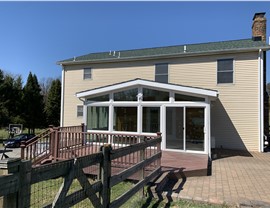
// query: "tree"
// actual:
[[10, 99], [45, 85], [33, 104], [53, 104]]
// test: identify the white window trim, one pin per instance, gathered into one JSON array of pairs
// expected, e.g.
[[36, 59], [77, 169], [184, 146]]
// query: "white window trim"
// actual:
[[84, 74], [233, 71]]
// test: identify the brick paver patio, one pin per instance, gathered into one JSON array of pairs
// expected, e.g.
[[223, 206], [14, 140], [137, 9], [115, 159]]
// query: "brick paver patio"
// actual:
[[235, 180]]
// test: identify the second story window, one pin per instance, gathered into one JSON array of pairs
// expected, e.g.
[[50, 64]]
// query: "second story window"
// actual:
[[87, 73], [225, 71], [161, 74]]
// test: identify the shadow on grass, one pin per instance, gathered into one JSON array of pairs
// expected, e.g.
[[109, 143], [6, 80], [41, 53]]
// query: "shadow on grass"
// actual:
[[164, 200]]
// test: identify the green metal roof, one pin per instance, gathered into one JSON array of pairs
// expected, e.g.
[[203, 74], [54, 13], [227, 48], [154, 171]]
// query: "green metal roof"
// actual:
[[178, 50]]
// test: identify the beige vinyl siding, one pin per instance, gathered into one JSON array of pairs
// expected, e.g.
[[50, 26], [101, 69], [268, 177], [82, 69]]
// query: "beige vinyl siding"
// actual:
[[101, 76], [234, 116]]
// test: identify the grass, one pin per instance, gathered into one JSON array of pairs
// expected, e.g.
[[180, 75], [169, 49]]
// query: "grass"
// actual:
[[44, 192], [3, 134]]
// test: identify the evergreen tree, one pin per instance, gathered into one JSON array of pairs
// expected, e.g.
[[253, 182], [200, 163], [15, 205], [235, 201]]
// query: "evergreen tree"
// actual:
[[10, 99], [53, 103], [33, 104], [3, 110]]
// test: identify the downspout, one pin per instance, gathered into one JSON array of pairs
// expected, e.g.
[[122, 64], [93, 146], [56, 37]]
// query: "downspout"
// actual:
[[62, 97], [261, 102]]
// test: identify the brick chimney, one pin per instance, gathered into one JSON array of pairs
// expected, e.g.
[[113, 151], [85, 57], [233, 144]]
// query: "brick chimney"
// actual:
[[259, 27]]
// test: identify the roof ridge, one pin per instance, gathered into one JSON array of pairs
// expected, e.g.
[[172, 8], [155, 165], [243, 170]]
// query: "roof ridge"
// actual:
[[135, 49]]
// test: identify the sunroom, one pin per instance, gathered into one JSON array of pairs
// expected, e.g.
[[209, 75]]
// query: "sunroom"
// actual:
[[180, 113]]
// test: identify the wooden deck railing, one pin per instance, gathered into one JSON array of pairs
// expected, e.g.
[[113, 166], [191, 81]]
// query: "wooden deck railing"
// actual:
[[64, 143]]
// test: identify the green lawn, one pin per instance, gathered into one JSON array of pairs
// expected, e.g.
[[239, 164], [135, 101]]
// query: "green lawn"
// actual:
[[44, 192]]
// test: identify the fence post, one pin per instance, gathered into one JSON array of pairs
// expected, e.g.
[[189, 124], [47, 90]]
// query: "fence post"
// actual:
[[24, 193], [105, 174], [8, 166]]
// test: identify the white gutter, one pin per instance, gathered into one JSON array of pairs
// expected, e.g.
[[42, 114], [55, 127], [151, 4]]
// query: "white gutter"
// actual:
[[62, 97], [261, 101]]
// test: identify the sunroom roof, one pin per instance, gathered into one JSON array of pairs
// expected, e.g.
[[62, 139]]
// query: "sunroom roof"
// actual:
[[147, 83]]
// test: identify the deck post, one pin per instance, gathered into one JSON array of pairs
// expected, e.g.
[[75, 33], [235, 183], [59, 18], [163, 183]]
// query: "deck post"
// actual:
[[142, 174], [55, 142], [159, 148], [82, 134], [22, 149], [105, 174]]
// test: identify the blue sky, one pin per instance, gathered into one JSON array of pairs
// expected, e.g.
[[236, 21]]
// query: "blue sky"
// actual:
[[35, 35]]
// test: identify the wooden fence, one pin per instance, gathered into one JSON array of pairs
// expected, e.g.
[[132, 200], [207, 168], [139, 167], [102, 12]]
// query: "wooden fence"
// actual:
[[19, 176]]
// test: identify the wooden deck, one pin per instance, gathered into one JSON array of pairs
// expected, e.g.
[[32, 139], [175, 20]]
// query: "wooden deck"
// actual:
[[177, 165], [184, 164]]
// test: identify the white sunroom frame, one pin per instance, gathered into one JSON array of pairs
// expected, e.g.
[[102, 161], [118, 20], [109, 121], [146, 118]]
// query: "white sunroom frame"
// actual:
[[208, 95]]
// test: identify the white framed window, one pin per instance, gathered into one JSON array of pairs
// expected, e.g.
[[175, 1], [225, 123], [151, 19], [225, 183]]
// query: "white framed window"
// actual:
[[87, 73], [79, 110], [161, 73], [225, 71]]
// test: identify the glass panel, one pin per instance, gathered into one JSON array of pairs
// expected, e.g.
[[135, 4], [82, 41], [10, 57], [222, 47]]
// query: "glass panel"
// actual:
[[225, 77], [99, 98], [151, 117], [127, 95], [179, 97], [155, 95], [97, 118], [161, 68], [195, 129], [87, 73], [125, 119], [225, 65], [174, 128], [162, 78]]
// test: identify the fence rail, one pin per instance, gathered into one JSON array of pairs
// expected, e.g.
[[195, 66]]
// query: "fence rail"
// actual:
[[20, 177]]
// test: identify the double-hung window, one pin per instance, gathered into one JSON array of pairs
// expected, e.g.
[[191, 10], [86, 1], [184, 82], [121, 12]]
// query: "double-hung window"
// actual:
[[225, 71], [161, 74], [87, 73], [79, 110]]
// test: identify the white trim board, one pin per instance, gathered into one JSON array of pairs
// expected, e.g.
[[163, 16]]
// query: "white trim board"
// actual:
[[146, 83]]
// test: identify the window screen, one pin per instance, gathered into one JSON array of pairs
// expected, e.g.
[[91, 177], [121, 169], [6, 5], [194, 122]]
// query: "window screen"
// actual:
[[161, 74], [225, 71], [87, 73]]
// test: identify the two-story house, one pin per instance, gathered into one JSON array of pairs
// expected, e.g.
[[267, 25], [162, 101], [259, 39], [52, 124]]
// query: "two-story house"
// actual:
[[199, 96]]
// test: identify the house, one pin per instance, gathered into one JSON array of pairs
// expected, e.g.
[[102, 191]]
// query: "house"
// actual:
[[199, 96]]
